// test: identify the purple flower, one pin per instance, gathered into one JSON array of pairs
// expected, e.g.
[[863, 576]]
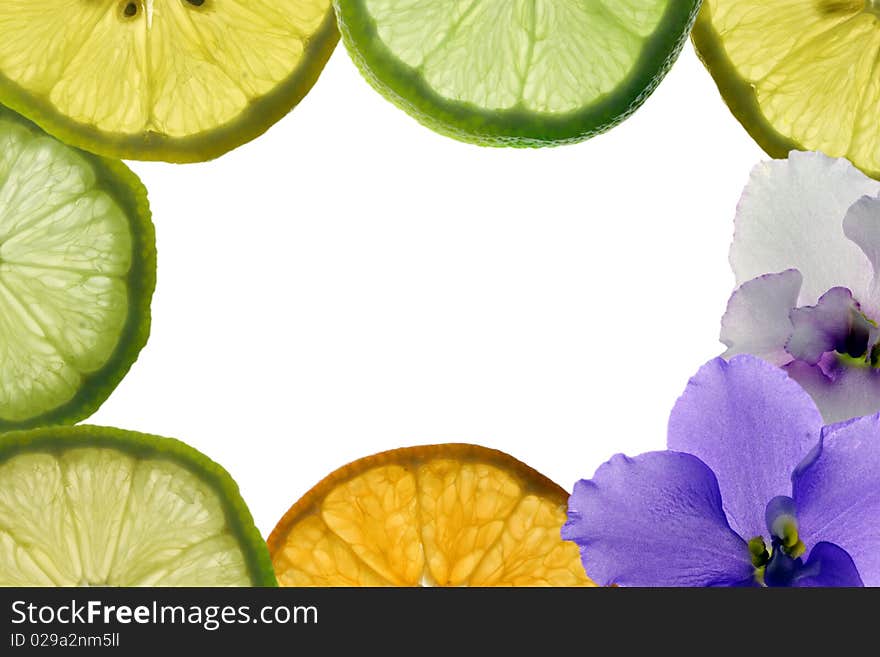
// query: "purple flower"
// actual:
[[754, 490], [806, 253]]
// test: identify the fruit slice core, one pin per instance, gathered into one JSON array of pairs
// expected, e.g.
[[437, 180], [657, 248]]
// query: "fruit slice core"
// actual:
[[422, 519], [99, 516], [65, 253], [799, 73]]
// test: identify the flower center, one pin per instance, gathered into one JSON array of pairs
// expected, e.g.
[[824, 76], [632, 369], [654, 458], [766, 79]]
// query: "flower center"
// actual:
[[779, 564], [786, 539], [835, 326], [859, 347], [855, 341]]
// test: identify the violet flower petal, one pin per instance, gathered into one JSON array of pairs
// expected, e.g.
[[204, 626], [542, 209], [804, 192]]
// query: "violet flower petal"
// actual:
[[828, 565], [749, 422], [791, 216], [655, 520], [837, 493], [844, 393], [758, 321]]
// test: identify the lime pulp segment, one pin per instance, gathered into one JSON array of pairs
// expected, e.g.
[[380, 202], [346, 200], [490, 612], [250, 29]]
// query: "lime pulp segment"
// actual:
[[799, 74], [88, 506], [161, 79], [77, 268], [521, 72]]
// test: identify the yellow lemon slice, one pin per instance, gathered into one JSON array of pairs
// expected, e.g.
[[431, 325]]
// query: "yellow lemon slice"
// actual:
[[799, 74], [177, 80]]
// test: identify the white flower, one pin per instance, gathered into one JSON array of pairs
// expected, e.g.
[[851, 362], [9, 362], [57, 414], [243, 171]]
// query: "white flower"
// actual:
[[806, 255]]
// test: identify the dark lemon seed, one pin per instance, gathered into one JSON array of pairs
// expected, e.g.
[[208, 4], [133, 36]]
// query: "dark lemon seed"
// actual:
[[196, 3], [841, 6], [131, 9]]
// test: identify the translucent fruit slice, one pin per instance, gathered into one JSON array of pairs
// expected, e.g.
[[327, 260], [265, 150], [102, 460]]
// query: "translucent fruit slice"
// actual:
[[516, 72], [177, 80], [799, 74], [77, 272], [90, 506], [444, 515]]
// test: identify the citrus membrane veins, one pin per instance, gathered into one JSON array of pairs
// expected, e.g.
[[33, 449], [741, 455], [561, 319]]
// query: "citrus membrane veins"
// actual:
[[799, 74], [77, 271], [89, 506], [445, 515], [181, 80], [520, 72]]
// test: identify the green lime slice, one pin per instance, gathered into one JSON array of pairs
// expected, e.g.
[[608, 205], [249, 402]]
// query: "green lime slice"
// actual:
[[516, 72], [176, 80], [77, 272], [91, 506]]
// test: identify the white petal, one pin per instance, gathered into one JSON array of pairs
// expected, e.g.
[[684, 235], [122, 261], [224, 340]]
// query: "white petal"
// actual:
[[791, 217], [757, 318], [852, 392], [862, 226]]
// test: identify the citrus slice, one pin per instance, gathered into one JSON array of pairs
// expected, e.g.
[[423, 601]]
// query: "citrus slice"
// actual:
[[516, 72], [91, 506], [176, 80], [77, 272], [798, 74], [444, 515]]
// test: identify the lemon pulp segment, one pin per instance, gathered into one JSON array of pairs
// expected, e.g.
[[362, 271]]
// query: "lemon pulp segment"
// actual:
[[67, 253], [799, 73], [511, 68], [128, 77], [83, 515], [427, 521]]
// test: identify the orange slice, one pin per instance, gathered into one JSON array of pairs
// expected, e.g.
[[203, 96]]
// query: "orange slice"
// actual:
[[441, 515]]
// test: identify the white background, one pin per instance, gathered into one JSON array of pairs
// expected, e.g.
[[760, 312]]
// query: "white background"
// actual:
[[352, 282]]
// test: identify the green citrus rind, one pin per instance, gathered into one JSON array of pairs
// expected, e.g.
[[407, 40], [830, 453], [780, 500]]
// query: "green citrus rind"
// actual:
[[402, 86], [261, 115], [140, 445], [117, 180], [737, 93]]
